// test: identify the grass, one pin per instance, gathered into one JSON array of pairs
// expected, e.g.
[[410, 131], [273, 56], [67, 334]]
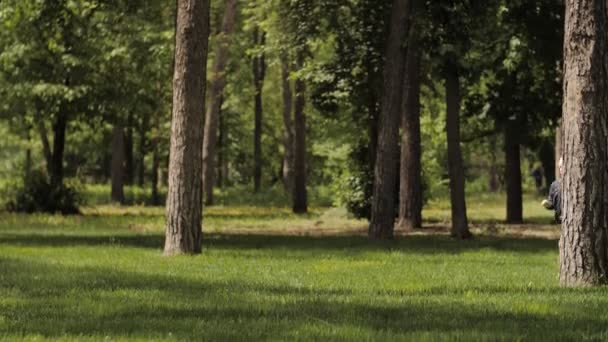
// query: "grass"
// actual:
[[266, 274]]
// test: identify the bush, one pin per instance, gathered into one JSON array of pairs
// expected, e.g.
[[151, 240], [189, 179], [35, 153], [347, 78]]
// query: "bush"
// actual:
[[38, 195]]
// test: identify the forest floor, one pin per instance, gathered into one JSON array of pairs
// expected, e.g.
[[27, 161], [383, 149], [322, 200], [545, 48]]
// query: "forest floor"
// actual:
[[267, 274]]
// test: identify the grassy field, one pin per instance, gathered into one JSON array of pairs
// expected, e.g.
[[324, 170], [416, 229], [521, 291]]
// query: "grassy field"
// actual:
[[266, 274]]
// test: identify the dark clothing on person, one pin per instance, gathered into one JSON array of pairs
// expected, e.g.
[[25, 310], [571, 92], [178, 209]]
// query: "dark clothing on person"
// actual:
[[537, 174], [555, 198]]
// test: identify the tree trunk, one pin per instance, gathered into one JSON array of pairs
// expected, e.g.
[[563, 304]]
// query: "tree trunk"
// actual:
[[493, 181], [410, 185], [154, 180], [382, 221], [221, 154], [513, 175], [217, 83], [46, 146], [288, 132], [128, 154], [584, 233], [143, 144], [184, 197], [118, 164], [59, 128], [460, 225], [300, 196], [259, 72], [559, 146]]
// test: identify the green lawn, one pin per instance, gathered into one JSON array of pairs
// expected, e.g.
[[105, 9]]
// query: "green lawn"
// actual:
[[268, 275]]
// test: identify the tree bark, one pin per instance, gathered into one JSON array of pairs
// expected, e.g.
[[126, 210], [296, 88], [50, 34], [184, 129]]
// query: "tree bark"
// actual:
[[382, 221], [118, 164], [300, 196], [410, 185], [59, 128], [184, 197], [288, 129], [259, 72], [217, 84], [513, 174], [584, 233], [460, 225]]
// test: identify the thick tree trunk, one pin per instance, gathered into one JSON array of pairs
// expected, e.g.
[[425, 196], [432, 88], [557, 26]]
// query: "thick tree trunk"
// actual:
[[288, 129], [184, 197], [259, 72], [460, 225], [513, 175], [217, 84], [584, 234], [382, 221], [118, 164], [410, 185], [59, 128], [300, 195]]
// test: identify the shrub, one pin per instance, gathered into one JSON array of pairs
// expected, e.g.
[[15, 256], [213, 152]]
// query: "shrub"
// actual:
[[37, 194]]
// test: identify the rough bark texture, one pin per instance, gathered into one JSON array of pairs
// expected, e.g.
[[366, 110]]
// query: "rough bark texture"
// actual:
[[118, 164], [460, 226], [584, 235], [382, 220], [259, 72], [217, 84], [410, 185], [184, 197], [300, 196], [288, 129], [513, 175]]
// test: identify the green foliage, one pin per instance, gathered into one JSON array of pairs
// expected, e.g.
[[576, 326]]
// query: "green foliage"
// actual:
[[37, 194]]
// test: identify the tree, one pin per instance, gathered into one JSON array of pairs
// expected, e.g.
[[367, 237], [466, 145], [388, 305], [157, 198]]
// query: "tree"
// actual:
[[584, 238], [300, 196], [288, 128], [259, 72], [460, 225], [184, 197], [118, 164], [410, 182], [217, 82], [385, 171]]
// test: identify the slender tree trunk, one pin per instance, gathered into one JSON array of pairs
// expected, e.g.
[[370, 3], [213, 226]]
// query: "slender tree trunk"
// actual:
[[118, 164], [221, 156], [59, 128], [46, 146], [288, 129], [584, 233], [410, 185], [128, 147], [259, 72], [143, 143], [184, 197], [154, 180], [494, 183], [559, 146], [460, 225], [217, 84], [382, 221], [300, 195], [513, 175]]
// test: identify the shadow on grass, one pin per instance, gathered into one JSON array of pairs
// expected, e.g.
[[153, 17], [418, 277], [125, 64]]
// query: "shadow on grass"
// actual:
[[58, 301], [408, 244]]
